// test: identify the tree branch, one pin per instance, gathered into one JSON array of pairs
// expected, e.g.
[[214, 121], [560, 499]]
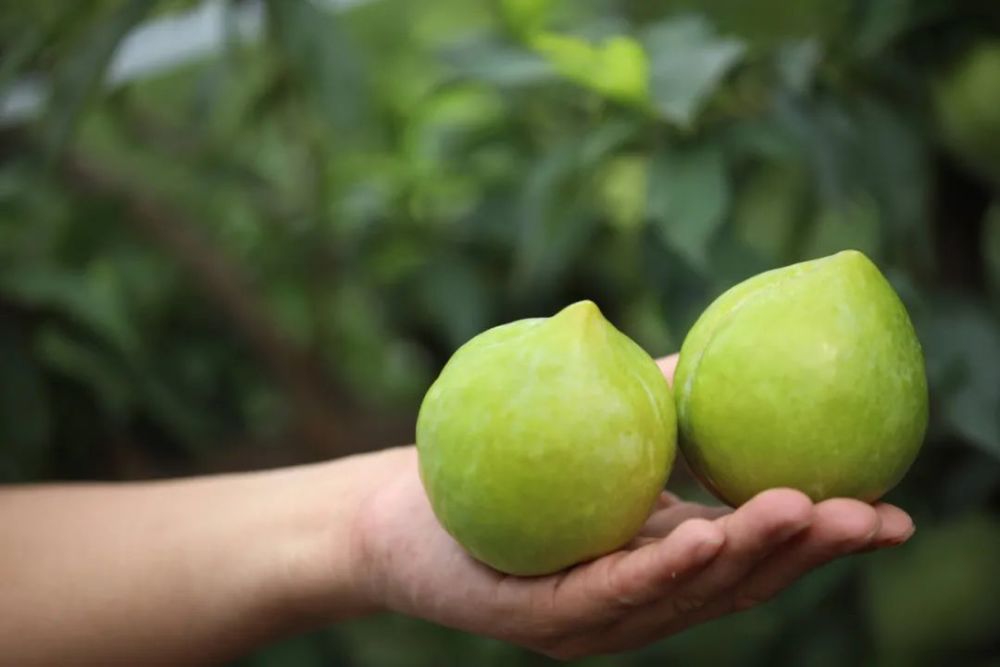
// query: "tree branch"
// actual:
[[314, 398]]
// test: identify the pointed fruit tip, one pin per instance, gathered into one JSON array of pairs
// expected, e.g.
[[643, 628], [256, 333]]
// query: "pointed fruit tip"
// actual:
[[581, 311]]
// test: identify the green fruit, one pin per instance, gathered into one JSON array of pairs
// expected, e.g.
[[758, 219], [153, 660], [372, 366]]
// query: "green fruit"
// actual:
[[809, 376], [545, 442], [967, 101]]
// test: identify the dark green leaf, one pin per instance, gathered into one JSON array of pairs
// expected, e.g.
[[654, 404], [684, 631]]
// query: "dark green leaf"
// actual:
[[769, 208], [89, 366], [991, 248], [93, 299], [554, 222], [797, 62], [687, 62], [78, 79], [851, 224], [24, 48], [25, 417], [324, 58], [962, 345], [689, 195], [499, 64], [455, 298]]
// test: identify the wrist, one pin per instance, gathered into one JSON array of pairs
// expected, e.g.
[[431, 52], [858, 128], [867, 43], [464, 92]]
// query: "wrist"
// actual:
[[320, 569]]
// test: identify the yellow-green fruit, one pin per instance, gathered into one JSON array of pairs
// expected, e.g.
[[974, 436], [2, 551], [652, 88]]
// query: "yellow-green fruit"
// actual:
[[545, 442], [967, 102], [810, 377]]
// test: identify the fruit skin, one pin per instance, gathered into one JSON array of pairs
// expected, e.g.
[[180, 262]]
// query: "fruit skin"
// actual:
[[808, 376], [546, 442]]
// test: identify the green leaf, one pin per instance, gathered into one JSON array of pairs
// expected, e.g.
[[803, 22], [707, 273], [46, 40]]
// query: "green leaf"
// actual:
[[880, 23], [499, 64], [892, 158], [770, 205], [962, 345], [991, 247], [555, 224], [322, 55], [525, 17], [851, 224], [25, 416], [645, 322], [93, 299], [621, 189], [454, 296], [24, 48], [689, 193], [616, 68], [88, 366], [687, 61], [78, 78], [797, 63]]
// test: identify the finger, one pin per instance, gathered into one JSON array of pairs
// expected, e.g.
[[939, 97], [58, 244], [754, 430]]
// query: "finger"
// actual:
[[666, 499], [668, 365], [599, 592], [662, 522], [751, 533], [896, 527], [840, 527]]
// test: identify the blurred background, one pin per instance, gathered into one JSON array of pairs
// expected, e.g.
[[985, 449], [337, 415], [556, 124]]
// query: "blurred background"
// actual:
[[244, 234]]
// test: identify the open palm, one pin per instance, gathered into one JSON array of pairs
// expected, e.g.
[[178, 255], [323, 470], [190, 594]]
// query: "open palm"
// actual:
[[689, 564]]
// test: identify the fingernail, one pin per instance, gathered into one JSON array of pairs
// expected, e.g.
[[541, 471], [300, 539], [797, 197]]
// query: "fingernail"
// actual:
[[896, 541]]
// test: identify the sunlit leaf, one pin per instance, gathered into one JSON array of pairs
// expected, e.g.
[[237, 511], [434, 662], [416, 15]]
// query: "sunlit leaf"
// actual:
[[525, 16], [616, 67]]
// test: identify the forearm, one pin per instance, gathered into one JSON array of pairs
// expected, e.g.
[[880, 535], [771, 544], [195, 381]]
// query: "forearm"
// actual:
[[181, 572]]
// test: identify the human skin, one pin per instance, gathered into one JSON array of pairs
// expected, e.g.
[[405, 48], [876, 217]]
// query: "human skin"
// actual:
[[202, 570]]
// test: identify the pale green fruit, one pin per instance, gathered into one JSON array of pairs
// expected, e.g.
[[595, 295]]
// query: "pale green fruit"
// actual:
[[809, 376], [545, 442]]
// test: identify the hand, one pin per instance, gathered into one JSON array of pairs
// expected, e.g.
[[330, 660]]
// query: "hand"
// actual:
[[690, 563]]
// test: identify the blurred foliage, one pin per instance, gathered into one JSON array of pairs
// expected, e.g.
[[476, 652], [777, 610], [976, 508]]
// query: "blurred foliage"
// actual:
[[321, 216]]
